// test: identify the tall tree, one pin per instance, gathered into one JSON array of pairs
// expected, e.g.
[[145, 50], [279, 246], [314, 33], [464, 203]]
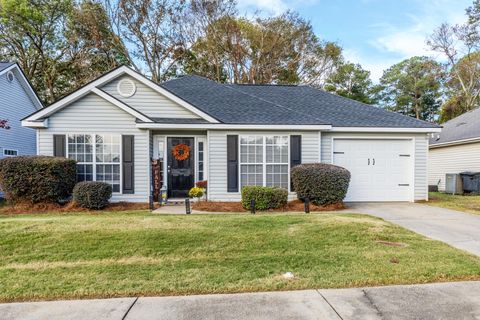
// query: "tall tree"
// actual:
[[352, 81], [56, 42], [281, 49], [460, 44], [412, 87], [152, 30]]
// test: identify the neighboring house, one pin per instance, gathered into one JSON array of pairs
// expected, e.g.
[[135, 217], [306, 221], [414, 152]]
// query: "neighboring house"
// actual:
[[456, 149], [17, 100], [230, 135]]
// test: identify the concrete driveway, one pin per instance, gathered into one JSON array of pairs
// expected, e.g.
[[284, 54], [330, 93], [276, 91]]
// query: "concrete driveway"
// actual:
[[460, 300], [458, 229]]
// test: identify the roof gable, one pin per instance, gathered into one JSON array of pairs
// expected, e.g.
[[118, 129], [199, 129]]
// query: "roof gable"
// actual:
[[34, 119], [146, 100], [6, 67]]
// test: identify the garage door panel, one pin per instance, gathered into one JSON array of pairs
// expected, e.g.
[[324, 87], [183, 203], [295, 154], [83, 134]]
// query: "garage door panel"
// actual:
[[379, 172]]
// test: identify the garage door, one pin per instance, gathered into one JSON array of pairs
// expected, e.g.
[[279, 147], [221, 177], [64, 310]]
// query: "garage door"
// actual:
[[381, 170]]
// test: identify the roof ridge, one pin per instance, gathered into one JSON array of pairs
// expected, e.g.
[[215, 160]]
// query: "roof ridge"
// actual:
[[269, 102]]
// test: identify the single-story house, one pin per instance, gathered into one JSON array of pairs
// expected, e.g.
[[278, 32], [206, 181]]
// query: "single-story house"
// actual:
[[17, 100], [456, 149], [118, 126]]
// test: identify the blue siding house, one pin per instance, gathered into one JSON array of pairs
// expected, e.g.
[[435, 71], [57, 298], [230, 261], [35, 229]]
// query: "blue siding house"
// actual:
[[17, 100]]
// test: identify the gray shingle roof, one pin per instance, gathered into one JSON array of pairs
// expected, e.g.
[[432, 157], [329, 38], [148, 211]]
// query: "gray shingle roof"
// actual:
[[465, 126], [5, 64], [276, 104]]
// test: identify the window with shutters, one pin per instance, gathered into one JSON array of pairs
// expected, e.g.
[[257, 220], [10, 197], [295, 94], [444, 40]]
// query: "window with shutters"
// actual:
[[264, 161], [97, 156]]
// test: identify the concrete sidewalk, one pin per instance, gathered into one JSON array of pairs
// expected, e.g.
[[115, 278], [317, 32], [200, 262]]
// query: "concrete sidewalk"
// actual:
[[455, 300]]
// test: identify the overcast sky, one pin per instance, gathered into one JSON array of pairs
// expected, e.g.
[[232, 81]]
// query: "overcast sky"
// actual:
[[374, 33]]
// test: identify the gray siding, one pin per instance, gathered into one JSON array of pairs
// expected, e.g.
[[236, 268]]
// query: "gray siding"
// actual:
[[217, 165], [93, 114], [420, 149], [452, 159], [148, 101], [15, 105]]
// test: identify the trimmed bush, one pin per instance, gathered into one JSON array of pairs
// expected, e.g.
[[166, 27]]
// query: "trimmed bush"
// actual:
[[322, 183], [37, 178], [92, 194], [265, 197]]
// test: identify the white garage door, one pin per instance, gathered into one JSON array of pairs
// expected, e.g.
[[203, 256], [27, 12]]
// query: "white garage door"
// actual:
[[381, 170]]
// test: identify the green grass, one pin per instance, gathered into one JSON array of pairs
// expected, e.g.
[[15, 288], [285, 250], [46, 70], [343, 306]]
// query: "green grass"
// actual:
[[137, 253], [470, 204]]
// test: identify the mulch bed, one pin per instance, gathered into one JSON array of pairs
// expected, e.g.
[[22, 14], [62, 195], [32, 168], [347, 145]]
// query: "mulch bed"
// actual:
[[292, 206], [26, 208]]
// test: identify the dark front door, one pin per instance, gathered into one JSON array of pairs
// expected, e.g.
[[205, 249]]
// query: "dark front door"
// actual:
[[180, 172]]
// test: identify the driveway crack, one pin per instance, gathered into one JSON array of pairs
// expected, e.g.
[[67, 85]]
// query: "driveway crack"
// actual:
[[339, 316], [370, 300], [130, 308]]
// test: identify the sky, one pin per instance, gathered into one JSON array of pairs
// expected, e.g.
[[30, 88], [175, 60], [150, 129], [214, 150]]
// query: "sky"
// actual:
[[374, 33]]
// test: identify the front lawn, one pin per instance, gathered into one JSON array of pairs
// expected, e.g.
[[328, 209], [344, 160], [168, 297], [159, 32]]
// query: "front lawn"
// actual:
[[467, 203], [137, 253]]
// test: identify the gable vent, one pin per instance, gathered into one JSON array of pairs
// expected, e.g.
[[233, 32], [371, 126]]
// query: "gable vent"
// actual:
[[10, 76], [126, 88]]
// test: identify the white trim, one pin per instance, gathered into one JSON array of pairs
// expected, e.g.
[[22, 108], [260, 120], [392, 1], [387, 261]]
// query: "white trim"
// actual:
[[222, 126], [107, 78], [385, 129], [453, 143], [121, 105], [35, 124], [10, 155], [38, 104]]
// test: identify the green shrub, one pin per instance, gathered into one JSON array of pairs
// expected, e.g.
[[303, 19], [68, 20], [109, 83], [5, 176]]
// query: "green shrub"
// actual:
[[265, 197], [92, 194], [322, 183], [37, 178]]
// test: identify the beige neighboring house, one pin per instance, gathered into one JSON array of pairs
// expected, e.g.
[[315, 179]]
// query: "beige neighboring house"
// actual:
[[456, 149]]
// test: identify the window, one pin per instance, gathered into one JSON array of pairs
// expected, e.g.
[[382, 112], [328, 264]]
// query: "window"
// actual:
[[251, 161], [10, 152], [201, 161], [97, 160], [264, 161], [277, 161]]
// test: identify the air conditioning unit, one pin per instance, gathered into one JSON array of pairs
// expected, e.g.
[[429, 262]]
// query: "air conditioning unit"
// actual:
[[453, 183]]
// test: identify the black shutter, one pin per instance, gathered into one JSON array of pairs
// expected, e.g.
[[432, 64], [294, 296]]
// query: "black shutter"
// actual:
[[295, 153], [232, 163], [128, 180], [59, 145]]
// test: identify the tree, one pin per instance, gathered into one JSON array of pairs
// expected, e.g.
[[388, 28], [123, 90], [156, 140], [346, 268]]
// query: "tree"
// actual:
[[460, 44], [280, 49], [351, 81], [412, 87], [60, 45]]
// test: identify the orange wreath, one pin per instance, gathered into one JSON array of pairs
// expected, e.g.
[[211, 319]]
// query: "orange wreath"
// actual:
[[181, 152]]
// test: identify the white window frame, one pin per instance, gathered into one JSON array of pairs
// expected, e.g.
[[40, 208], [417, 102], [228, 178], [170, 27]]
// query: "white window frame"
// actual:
[[197, 164], [264, 161], [94, 155], [10, 155]]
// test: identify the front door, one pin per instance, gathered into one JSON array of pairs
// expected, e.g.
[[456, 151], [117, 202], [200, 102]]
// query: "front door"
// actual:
[[180, 166]]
